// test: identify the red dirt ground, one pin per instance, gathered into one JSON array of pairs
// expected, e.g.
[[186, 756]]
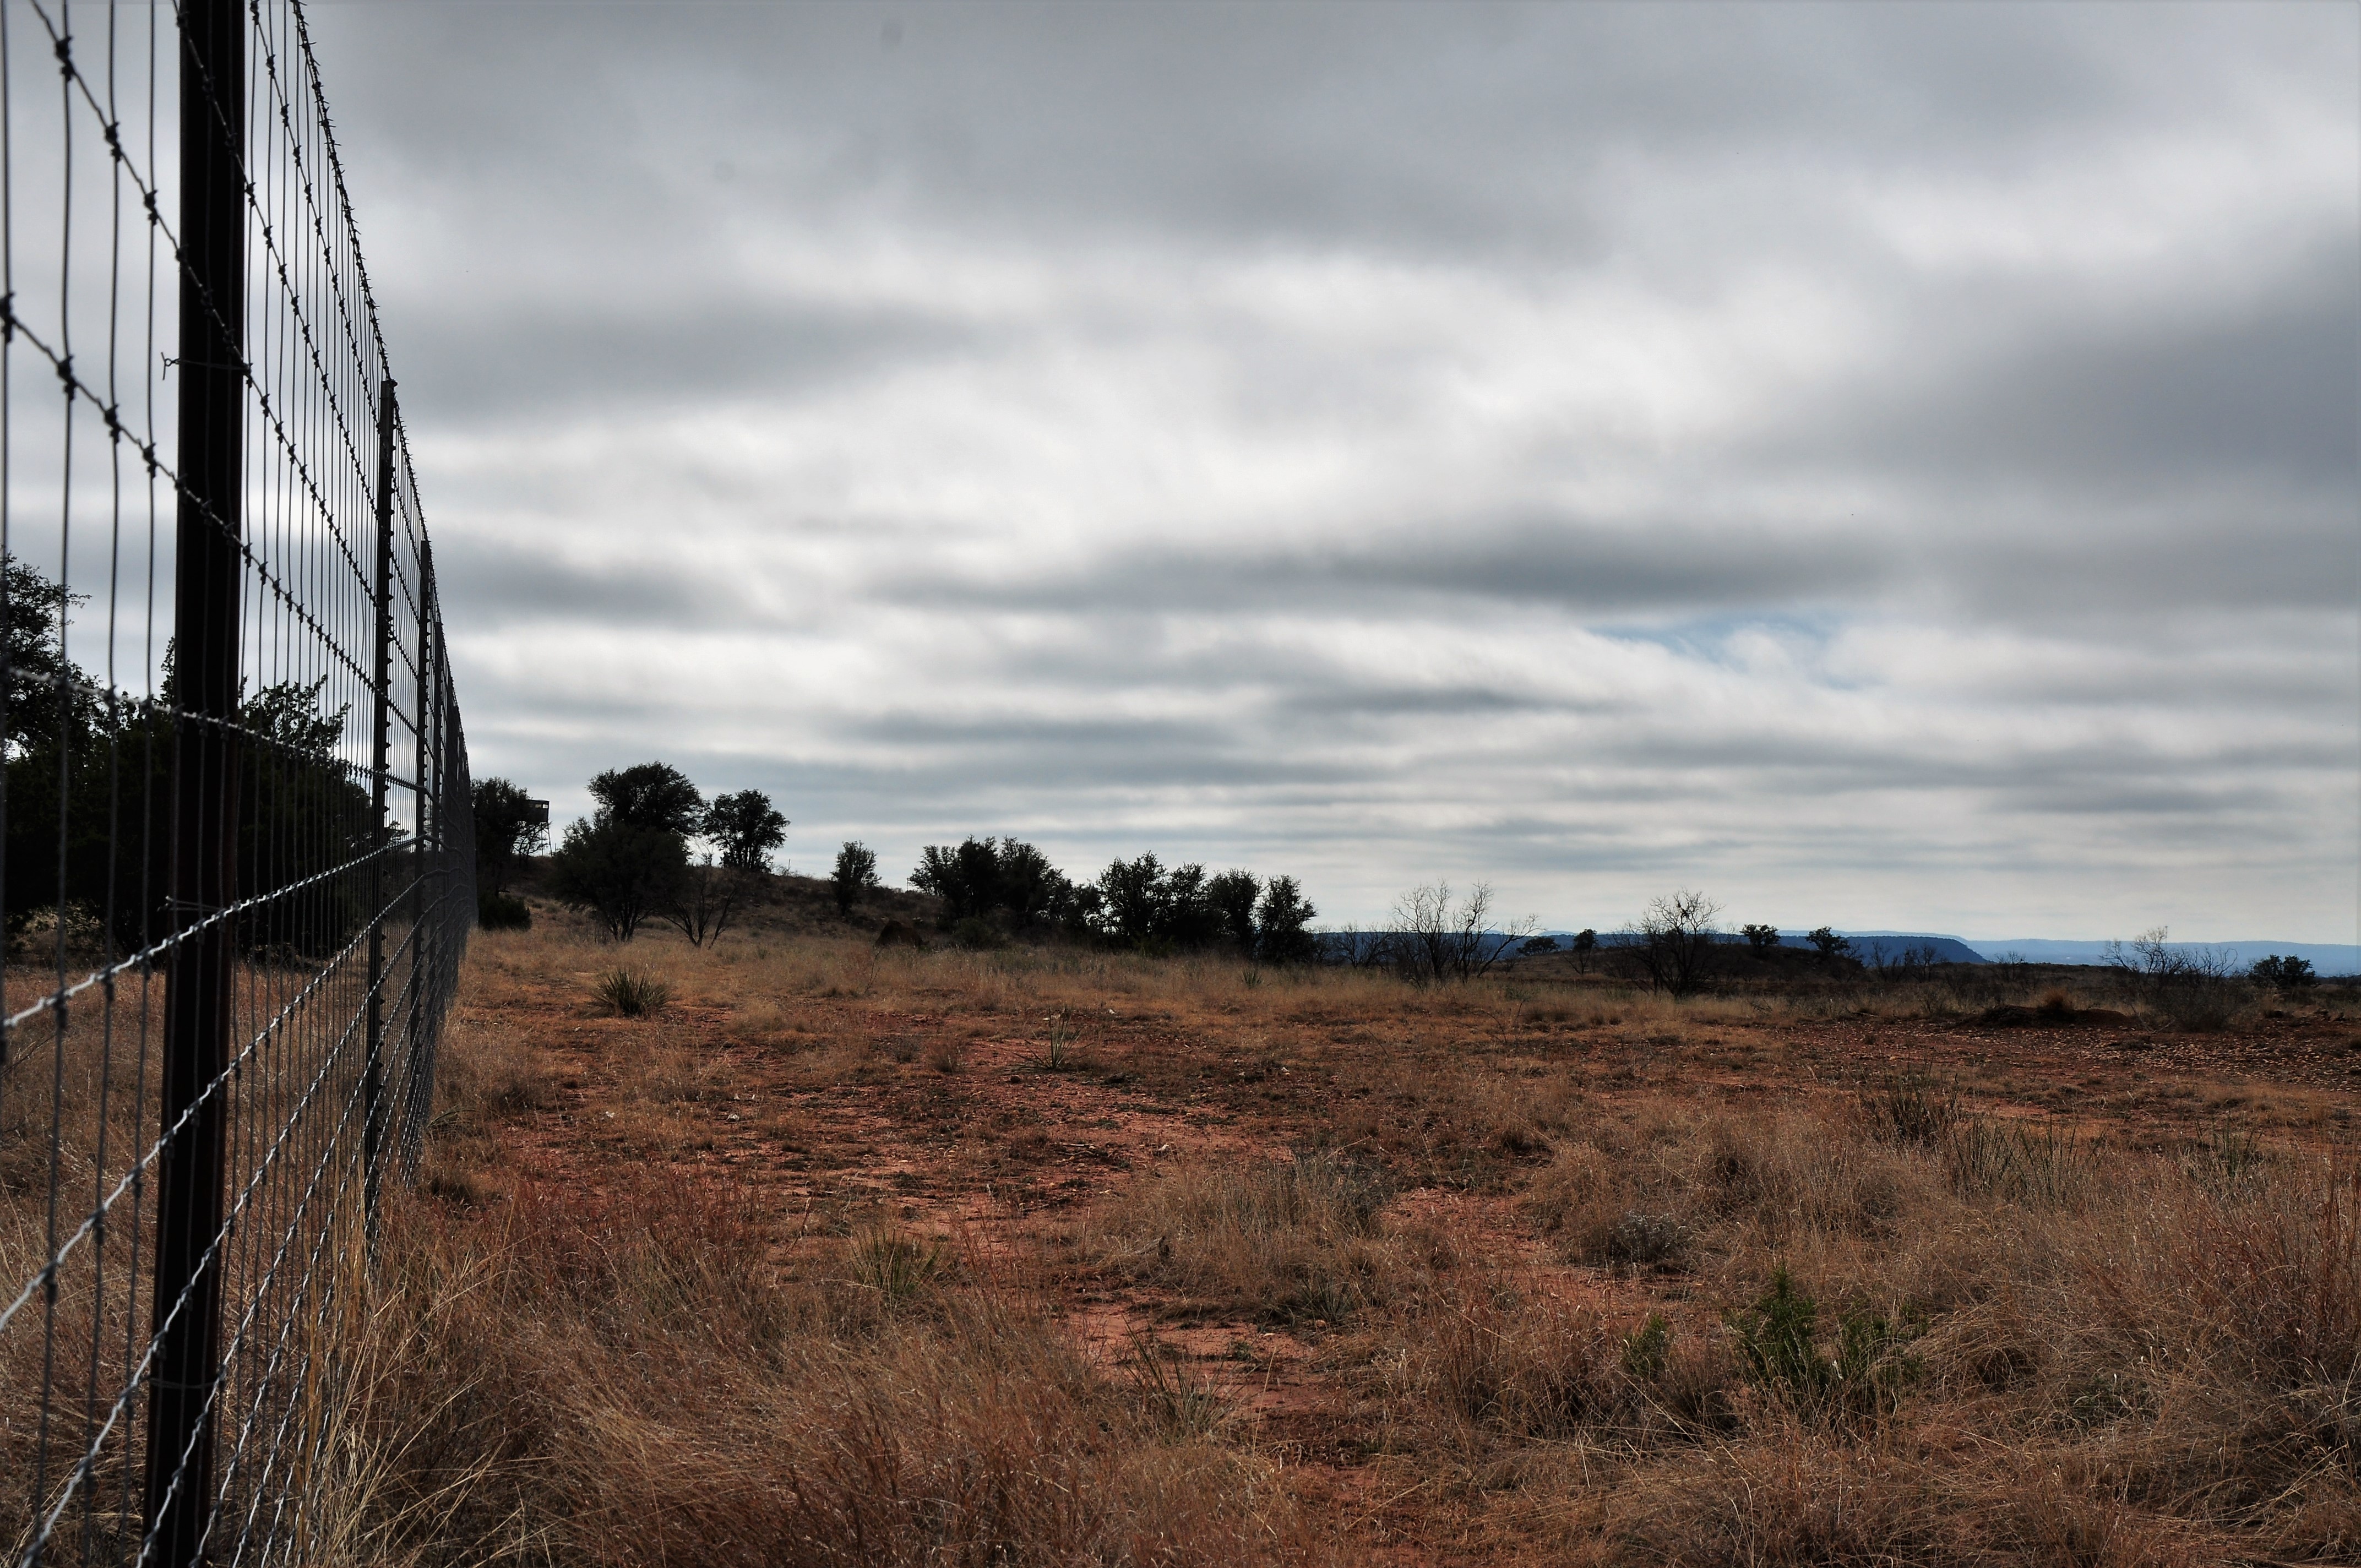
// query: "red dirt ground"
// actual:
[[857, 1111]]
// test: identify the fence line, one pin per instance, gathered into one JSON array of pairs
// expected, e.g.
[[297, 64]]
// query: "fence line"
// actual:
[[237, 860]]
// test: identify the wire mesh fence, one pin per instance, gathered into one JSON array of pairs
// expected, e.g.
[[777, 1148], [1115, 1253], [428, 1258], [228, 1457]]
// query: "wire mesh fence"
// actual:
[[235, 858]]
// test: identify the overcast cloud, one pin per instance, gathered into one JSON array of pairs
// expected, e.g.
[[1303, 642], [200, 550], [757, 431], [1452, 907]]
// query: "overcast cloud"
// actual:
[[1889, 465]]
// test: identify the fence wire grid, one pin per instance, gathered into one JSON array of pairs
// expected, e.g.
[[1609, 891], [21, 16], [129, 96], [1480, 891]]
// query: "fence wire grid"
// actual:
[[236, 868]]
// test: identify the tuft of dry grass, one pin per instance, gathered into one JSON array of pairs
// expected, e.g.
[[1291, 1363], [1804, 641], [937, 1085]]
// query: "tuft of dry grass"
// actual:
[[1301, 1243], [622, 1380]]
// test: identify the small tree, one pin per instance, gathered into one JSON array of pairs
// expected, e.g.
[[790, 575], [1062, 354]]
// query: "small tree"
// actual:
[[1187, 917], [655, 796], [1283, 924], [967, 878], [2194, 986], [1761, 940], [708, 899], [630, 860], [2289, 973], [1830, 944], [744, 827], [981, 875], [1131, 900], [1026, 885], [855, 873], [1674, 941], [509, 826], [1232, 897], [619, 873], [1431, 939]]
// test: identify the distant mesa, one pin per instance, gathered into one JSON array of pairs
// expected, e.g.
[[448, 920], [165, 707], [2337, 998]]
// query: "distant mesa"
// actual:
[[1874, 947], [2325, 958]]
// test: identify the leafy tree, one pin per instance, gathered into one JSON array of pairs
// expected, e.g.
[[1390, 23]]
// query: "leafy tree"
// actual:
[[966, 877], [1761, 940], [620, 871], [302, 814], [1026, 885], [1187, 917], [630, 860], [1283, 924], [509, 826], [981, 876], [745, 828], [1830, 945], [1534, 946], [2289, 973], [1231, 897], [653, 795], [39, 674], [1131, 900], [855, 873], [90, 797]]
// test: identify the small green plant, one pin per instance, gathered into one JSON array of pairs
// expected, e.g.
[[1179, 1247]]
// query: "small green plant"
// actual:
[[1647, 1348], [1059, 1053], [1252, 978], [898, 1267], [1779, 1351], [632, 995]]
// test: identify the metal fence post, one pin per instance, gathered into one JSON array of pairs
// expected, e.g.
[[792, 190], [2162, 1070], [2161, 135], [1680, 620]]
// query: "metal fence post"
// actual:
[[429, 830], [203, 882], [380, 830]]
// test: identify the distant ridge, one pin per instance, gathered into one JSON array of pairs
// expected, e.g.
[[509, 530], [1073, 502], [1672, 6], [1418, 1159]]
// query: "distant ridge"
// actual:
[[2327, 957], [1885, 947]]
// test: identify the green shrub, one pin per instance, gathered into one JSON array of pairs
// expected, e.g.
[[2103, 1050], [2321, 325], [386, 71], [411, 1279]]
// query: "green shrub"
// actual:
[[503, 912], [1779, 1351], [977, 935], [632, 995]]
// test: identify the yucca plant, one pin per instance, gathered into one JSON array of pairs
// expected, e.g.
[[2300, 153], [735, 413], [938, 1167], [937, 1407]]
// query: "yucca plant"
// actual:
[[897, 1266], [632, 995]]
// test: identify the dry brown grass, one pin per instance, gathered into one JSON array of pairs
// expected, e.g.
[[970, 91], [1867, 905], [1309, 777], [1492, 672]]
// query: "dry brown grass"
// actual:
[[1301, 1243], [620, 1378], [819, 1265]]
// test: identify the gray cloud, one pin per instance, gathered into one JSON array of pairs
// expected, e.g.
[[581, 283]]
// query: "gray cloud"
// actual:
[[1895, 465]]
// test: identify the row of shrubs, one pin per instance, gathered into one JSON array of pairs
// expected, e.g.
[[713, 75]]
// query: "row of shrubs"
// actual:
[[1001, 884]]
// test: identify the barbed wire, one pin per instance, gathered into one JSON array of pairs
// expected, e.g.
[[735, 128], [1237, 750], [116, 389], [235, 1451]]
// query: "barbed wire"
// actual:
[[230, 923]]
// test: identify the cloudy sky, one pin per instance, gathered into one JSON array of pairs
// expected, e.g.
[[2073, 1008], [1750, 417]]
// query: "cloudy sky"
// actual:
[[1891, 465]]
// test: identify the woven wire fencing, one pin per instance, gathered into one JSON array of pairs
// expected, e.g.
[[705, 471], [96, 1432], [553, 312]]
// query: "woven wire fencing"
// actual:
[[236, 870]]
